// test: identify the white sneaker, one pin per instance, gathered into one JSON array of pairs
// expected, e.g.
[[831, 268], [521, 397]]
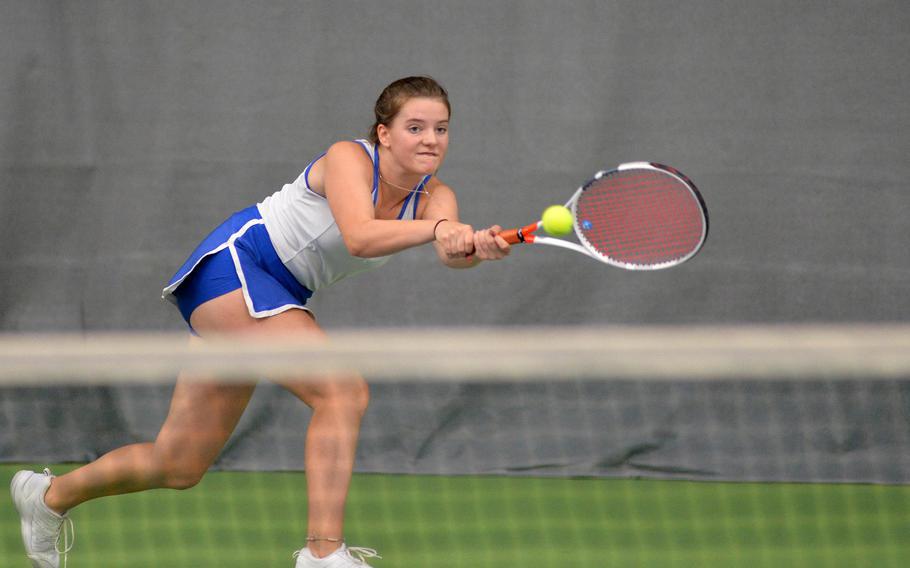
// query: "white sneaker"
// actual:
[[344, 557], [41, 527]]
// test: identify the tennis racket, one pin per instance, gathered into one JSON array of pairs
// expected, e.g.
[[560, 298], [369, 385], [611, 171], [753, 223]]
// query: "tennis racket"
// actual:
[[640, 216]]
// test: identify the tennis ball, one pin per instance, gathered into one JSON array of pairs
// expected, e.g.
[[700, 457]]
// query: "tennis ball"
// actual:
[[557, 220]]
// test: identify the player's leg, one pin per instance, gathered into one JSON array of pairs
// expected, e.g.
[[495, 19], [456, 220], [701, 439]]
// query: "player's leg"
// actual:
[[338, 404], [201, 418]]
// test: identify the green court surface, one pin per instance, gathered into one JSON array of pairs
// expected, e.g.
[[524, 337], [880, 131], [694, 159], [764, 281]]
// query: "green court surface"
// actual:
[[258, 520]]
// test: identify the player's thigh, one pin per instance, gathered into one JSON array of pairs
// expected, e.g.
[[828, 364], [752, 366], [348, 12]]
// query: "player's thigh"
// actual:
[[203, 412], [348, 390], [229, 314], [202, 415]]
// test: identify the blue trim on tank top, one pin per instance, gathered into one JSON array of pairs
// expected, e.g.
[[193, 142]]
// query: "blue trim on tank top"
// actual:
[[417, 193], [404, 206], [375, 174], [306, 172], [375, 191]]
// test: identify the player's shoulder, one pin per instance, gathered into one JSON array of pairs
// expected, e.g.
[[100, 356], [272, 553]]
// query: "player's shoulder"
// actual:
[[346, 147], [349, 153], [436, 186], [441, 202]]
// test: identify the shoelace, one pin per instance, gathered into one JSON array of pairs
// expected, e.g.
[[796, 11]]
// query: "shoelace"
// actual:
[[69, 536], [362, 554]]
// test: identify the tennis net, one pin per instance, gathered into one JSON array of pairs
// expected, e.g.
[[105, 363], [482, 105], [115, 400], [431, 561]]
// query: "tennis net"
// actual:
[[633, 446]]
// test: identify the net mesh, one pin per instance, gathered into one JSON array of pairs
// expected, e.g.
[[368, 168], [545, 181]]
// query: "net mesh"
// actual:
[[640, 217], [554, 447]]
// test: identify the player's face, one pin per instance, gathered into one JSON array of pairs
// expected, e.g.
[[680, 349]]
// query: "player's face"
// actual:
[[418, 136]]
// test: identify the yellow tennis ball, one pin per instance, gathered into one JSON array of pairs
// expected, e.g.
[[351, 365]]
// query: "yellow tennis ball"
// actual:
[[557, 220]]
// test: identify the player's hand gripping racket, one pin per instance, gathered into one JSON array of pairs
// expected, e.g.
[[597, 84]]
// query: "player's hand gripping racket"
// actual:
[[640, 216]]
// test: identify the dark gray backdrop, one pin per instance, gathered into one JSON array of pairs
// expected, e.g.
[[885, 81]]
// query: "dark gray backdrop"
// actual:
[[129, 129]]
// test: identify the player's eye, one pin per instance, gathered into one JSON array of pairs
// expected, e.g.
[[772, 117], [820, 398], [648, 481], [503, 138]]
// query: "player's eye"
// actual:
[[442, 129], [413, 129]]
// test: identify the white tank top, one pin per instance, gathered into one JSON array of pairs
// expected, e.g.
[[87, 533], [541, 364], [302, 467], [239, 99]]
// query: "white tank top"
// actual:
[[305, 235]]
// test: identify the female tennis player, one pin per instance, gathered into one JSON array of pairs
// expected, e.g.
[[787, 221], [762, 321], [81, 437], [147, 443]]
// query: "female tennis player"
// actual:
[[347, 212]]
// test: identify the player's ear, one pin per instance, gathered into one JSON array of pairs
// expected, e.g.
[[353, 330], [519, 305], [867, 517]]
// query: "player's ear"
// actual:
[[382, 133]]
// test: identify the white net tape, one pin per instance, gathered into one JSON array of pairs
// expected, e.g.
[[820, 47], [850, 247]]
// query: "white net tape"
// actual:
[[466, 354]]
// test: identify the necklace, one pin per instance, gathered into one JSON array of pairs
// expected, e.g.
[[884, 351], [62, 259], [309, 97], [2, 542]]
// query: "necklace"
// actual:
[[387, 182]]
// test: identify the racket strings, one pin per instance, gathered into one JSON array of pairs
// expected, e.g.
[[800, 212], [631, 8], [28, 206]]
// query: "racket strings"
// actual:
[[640, 217], [638, 242], [640, 224]]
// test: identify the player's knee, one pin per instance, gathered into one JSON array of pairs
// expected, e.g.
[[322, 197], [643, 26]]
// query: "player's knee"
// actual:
[[351, 394], [183, 474], [361, 396], [183, 479]]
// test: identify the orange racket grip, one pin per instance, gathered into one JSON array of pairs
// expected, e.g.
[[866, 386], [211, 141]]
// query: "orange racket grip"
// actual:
[[523, 235]]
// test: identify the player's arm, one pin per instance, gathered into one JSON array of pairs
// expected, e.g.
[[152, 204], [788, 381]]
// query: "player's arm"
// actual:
[[455, 247], [348, 179]]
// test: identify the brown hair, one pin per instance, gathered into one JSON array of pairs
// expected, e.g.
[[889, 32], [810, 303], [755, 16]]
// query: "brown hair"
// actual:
[[401, 91]]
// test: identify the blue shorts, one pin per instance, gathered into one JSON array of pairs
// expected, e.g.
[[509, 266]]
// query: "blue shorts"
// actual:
[[237, 254]]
